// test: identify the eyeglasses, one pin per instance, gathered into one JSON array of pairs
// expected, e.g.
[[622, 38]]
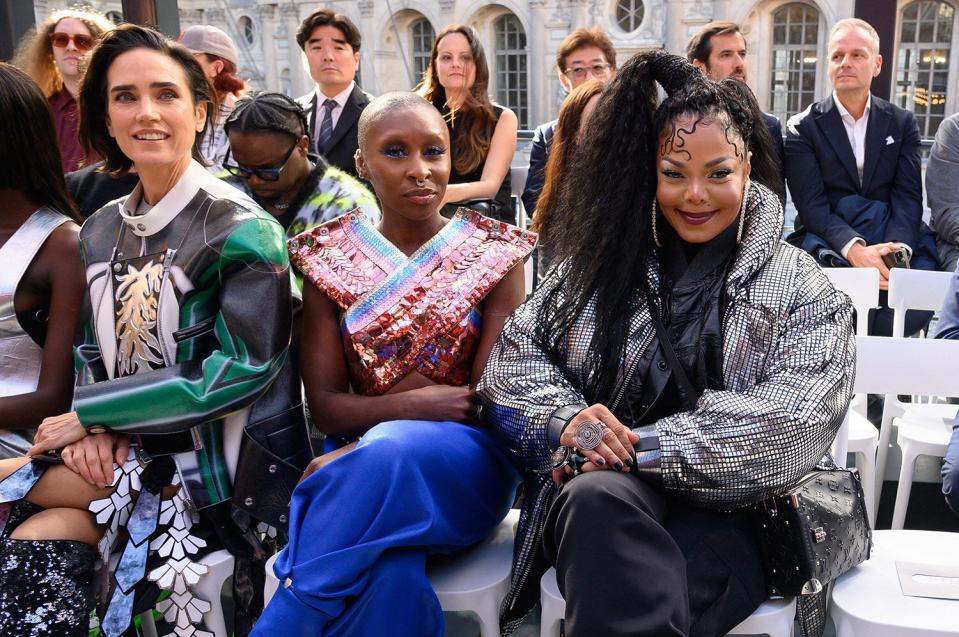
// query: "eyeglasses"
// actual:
[[61, 40], [579, 72], [264, 174]]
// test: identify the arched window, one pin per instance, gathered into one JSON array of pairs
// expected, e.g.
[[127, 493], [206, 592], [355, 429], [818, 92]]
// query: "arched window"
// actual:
[[423, 36], [629, 14], [512, 88], [286, 84], [922, 65], [795, 53], [246, 29]]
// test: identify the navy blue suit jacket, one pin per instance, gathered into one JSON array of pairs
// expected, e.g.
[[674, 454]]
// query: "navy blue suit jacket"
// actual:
[[821, 170], [538, 155], [776, 130]]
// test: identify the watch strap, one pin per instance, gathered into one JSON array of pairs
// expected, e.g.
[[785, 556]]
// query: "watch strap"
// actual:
[[557, 423]]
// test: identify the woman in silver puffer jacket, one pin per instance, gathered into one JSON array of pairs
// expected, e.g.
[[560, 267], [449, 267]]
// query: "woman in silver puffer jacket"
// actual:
[[665, 209]]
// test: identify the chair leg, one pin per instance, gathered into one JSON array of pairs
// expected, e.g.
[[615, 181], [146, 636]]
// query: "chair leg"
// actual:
[[905, 485], [209, 588], [148, 627], [867, 475], [488, 613]]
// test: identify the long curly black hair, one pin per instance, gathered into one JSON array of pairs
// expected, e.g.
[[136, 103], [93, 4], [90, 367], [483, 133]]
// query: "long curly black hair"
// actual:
[[601, 228]]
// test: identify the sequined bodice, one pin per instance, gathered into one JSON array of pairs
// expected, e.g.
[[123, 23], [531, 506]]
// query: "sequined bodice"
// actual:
[[404, 314]]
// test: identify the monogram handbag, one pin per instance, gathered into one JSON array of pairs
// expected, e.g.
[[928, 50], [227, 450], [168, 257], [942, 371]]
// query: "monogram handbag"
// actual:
[[812, 533]]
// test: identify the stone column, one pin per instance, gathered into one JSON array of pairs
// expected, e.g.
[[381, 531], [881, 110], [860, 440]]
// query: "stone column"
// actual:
[[539, 64], [558, 23], [299, 74], [265, 15]]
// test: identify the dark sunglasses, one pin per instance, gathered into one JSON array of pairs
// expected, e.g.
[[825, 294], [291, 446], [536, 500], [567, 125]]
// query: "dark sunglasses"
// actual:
[[264, 174], [61, 40]]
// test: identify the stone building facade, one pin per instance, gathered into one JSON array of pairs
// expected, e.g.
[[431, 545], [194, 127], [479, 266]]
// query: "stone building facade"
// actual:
[[786, 40]]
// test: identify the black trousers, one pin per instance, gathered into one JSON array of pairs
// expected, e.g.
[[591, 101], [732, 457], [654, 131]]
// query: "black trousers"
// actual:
[[631, 562]]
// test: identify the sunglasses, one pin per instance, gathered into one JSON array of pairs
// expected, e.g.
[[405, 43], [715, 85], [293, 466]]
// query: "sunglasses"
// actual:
[[263, 174], [61, 40]]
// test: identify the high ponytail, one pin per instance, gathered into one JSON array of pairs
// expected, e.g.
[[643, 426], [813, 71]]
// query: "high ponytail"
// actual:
[[601, 225]]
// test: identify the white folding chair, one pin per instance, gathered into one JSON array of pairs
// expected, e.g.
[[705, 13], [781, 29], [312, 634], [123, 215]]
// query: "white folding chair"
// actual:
[[475, 580], [862, 286], [919, 366], [774, 617], [517, 181], [219, 565], [909, 290]]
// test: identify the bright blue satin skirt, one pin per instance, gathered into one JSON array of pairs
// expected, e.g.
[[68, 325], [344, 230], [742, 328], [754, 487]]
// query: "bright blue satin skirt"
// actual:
[[362, 527]]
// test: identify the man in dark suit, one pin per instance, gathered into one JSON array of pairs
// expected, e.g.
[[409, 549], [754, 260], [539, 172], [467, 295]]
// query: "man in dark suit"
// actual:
[[853, 169], [584, 54], [332, 46], [718, 49]]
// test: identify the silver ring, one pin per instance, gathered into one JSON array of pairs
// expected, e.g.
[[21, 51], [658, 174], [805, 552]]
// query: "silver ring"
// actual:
[[420, 183], [588, 435]]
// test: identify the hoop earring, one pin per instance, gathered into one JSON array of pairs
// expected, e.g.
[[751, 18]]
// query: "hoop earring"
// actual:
[[655, 234], [742, 214]]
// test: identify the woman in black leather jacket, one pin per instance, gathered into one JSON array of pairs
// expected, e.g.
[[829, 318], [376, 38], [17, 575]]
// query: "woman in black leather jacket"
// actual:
[[660, 222]]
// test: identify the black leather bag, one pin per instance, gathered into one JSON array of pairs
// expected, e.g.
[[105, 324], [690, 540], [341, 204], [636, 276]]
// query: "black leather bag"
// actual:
[[814, 532]]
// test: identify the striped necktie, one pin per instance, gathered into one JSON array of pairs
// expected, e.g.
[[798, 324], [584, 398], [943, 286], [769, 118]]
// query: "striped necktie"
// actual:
[[326, 127]]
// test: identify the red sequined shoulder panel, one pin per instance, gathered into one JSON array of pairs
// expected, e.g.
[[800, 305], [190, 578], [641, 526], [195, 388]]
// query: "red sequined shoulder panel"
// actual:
[[345, 258], [416, 313]]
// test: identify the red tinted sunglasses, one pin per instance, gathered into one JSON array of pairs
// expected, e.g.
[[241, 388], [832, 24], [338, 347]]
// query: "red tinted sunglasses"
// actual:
[[61, 40]]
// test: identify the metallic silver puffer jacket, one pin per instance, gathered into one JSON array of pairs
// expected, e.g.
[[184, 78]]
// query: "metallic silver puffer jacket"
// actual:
[[788, 365]]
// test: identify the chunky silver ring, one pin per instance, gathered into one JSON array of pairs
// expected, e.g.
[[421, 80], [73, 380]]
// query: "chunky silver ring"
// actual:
[[588, 435]]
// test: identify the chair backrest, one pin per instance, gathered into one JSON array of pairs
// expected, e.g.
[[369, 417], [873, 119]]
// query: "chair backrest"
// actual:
[[915, 290], [895, 365], [862, 286]]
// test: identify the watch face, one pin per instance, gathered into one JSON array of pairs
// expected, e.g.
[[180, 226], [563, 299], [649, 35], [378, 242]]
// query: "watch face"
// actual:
[[560, 457]]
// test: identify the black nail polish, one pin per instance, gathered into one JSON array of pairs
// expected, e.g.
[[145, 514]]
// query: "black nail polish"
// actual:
[[628, 462], [618, 466], [600, 461]]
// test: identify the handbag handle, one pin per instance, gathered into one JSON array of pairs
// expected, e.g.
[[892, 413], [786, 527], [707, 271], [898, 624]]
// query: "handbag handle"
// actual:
[[687, 392]]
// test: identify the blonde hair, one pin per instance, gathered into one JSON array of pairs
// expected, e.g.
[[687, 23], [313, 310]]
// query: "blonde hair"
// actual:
[[856, 23], [35, 53]]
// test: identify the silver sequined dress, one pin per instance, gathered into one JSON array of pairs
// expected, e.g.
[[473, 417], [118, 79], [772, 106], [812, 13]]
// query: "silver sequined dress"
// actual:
[[20, 356]]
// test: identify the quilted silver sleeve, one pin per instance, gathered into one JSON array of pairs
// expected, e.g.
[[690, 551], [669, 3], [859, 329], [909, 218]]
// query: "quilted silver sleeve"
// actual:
[[521, 387], [782, 407]]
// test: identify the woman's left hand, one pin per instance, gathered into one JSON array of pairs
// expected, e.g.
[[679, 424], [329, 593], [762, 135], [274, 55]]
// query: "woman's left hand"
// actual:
[[57, 432]]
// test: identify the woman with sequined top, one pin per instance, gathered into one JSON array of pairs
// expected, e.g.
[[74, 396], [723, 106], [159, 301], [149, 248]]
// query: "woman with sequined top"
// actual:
[[399, 320], [41, 279], [186, 412], [661, 231]]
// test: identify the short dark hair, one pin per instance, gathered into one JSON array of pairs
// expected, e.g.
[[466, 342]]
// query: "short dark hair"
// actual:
[[585, 37], [328, 18], [267, 113], [30, 162], [700, 45], [93, 101]]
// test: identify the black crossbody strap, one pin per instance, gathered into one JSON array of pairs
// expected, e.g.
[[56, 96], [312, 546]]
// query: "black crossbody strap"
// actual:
[[687, 392]]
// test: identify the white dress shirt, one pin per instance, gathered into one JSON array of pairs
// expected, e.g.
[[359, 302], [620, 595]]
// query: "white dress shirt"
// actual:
[[856, 131], [340, 100]]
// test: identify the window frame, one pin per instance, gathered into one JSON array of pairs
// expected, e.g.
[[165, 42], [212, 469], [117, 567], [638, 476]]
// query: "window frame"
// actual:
[[500, 84], [789, 48], [952, 60]]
